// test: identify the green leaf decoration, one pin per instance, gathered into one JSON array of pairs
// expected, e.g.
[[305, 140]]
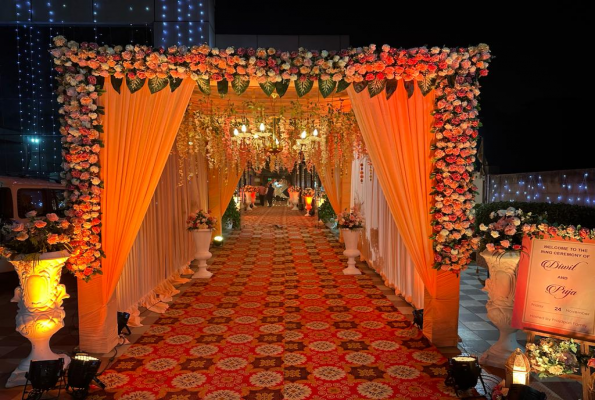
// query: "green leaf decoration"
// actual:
[[222, 87], [204, 85], [359, 86], [409, 87], [174, 83], [156, 84], [342, 85], [268, 88], [282, 86], [326, 87], [136, 84], [303, 87], [426, 85], [116, 83], [240, 84], [100, 81], [452, 80], [391, 87], [376, 86]]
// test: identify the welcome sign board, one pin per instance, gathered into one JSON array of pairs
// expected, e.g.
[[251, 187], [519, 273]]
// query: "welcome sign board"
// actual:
[[555, 290]]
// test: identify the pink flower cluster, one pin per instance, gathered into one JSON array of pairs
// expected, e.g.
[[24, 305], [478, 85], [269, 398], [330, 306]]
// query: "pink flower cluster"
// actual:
[[250, 189], [456, 130], [37, 235], [507, 231], [294, 189], [200, 219], [350, 219], [569, 232]]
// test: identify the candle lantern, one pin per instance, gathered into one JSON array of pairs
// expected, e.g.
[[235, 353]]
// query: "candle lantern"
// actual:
[[518, 369]]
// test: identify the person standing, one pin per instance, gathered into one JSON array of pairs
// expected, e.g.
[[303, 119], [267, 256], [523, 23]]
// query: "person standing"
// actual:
[[270, 193], [262, 192]]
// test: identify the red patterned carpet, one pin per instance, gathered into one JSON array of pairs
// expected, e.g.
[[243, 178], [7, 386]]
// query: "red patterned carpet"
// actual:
[[278, 320]]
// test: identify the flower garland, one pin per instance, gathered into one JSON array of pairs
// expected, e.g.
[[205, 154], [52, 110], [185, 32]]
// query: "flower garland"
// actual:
[[456, 130], [453, 72]]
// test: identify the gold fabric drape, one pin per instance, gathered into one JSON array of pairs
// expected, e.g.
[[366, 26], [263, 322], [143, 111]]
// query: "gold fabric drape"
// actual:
[[140, 129], [397, 133], [222, 185]]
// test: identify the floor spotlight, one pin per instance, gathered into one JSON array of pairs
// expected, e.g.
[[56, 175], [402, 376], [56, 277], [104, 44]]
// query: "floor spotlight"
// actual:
[[123, 323], [218, 241], [463, 373], [82, 370], [43, 376]]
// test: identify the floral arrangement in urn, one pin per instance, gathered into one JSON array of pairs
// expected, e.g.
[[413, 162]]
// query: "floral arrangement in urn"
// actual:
[[350, 219], [294, 189], [38, 235], [308, 192], [250, 189], [200, 220], [552, 357], [507, 231]]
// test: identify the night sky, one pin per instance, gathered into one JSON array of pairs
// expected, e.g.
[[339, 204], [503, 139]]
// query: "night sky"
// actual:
[[536, 100]]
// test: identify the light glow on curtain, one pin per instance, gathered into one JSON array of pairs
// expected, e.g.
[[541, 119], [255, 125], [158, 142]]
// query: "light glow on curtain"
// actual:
[[163, 247], [397, 133], [382, 247]]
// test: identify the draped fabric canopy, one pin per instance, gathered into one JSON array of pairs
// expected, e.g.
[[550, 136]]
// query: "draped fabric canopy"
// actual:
[[222, 185], [398, 137], [140, 129]]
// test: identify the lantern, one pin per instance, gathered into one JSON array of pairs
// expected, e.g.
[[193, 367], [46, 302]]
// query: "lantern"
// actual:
[[517, 368]]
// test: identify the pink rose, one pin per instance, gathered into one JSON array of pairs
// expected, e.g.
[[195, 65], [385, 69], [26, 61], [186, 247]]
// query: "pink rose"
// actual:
[[52, 217], [31, 214], [52, 238], [40, 224], [22, 236], [18, 227], [510, 230], [490, 247], [505, 243]]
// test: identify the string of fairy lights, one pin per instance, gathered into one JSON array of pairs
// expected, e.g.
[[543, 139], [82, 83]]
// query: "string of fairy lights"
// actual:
[[183, 23], [572, 187]]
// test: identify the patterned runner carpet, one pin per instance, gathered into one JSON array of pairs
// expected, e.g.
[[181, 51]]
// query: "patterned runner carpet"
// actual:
[[279, 320]]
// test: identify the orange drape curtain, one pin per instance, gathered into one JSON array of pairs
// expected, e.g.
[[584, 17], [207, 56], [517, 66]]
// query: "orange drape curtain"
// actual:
[[397, 133], [140, 129], [221, 188], [330, 176]]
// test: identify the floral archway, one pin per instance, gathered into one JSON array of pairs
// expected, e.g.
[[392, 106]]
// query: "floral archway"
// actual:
[[449, 76]]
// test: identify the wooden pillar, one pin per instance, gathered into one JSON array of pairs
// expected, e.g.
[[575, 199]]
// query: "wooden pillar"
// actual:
[[441, 312]]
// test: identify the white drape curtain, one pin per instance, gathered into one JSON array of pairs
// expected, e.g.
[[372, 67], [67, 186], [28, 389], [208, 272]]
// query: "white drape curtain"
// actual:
[[163, 247], [382, 246]]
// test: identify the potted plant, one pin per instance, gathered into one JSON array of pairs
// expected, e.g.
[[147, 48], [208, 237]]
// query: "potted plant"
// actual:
[[38, 250], [231, 218], [351, 224], [200, 223], [501, 245], [326, 213]]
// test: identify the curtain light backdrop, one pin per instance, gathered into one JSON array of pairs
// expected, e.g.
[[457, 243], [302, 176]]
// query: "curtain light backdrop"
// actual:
[[382, 246]]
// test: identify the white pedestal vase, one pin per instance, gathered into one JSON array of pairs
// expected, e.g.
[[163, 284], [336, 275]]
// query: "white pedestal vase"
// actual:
[[501, 287], [351, 239], [294, 199], [202, 241], [40, 312], [248, 200]]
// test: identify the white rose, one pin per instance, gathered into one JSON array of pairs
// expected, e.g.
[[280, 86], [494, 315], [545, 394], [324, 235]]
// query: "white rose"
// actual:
[[494, 234], [483, 228], [510, 211], [516, 221], [324, 53]]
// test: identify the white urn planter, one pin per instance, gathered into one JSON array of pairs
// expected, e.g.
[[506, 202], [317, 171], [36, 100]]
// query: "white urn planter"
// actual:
[[500, 287], [294, 199], [248, 200], [351, 239], [40, 314], [202, 241]]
